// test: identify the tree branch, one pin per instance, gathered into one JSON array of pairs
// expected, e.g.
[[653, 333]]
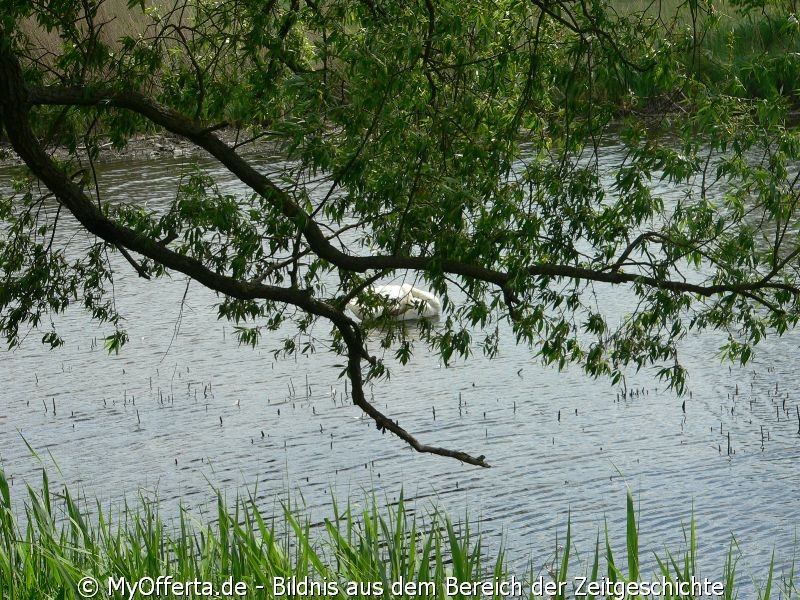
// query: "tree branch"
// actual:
[[14, 106], [319, 243]]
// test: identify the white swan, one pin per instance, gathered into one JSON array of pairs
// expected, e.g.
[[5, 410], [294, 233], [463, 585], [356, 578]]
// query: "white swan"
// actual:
[[404, 303]]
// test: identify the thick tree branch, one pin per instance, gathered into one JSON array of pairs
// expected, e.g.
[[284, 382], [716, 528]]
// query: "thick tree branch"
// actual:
[[14, 106], [202, 137]]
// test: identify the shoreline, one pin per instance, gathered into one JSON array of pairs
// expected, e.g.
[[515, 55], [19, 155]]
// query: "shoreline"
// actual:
[[143, 147]]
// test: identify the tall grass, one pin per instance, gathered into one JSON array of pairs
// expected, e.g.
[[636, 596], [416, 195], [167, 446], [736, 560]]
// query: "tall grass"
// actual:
[[744, 52], [247, 551]]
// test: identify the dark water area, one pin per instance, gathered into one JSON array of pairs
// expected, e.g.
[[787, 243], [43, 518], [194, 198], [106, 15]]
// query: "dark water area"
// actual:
[[183, 409]]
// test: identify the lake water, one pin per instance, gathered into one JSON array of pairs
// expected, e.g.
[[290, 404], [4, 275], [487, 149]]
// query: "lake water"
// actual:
[[184, 408]]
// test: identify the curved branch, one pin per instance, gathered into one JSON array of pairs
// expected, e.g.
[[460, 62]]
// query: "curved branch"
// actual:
[[318, 241], [14, 116], [384, 423]]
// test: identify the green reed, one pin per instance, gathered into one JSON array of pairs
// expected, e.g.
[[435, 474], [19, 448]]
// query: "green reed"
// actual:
[[61, 542]]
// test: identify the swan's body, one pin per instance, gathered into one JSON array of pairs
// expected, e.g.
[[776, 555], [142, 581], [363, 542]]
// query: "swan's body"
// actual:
[[404, 303]]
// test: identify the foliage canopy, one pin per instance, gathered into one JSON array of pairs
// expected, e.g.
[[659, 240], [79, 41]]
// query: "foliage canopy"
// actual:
[[458, 144]]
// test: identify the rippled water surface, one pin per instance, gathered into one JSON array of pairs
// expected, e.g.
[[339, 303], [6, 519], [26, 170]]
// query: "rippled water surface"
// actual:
[[184, 408]]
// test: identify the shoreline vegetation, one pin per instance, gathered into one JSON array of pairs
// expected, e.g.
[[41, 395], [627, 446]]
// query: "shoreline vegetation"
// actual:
[[65, 550], [732, 46], [150, 147]]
